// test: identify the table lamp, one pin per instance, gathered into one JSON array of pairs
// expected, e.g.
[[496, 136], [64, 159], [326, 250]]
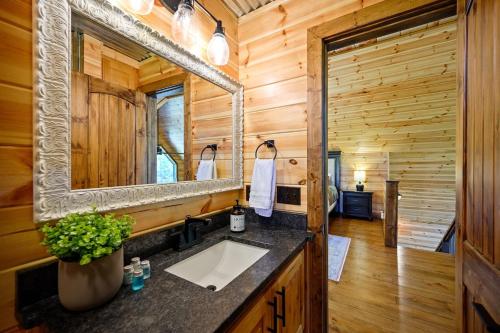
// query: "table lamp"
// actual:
[[360, 177]]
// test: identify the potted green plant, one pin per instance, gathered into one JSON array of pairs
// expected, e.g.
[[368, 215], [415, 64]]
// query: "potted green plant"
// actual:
[[90, 252]]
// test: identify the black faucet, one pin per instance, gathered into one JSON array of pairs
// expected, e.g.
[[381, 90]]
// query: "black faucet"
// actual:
[[191, 234]]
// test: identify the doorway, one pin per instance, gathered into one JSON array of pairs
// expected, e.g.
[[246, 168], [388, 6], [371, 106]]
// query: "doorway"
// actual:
[[385, 18]]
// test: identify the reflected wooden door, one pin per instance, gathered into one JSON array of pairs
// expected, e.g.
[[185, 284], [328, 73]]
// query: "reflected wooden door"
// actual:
[[478, 137], [108, 134]]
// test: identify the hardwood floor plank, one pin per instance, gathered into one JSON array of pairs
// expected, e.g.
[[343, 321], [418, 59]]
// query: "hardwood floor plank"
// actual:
[[389, 289]]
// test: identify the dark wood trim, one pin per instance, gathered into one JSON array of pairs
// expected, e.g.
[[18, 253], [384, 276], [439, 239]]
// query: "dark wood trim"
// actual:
[[391, 213], [395, 13], [336, 155], [188, 130], [388, 25], [460, 163]]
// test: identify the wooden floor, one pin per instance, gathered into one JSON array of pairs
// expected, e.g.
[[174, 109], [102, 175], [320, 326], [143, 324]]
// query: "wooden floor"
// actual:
[[389, 290]]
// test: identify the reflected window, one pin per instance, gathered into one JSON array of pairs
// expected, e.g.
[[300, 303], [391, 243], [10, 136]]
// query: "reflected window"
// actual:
[[166, 168]]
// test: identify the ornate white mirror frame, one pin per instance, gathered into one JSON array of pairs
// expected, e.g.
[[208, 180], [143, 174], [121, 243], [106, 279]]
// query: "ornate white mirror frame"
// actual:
[[53, 196]]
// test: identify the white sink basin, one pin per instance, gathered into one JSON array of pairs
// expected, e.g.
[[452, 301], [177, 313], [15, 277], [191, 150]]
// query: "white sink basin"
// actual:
[[218, 265]]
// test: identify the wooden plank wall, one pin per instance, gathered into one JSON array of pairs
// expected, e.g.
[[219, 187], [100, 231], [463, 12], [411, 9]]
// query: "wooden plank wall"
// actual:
[[17, 230], [110, 65], [171, 130], [392, 106], [211, 122], [272, 60]]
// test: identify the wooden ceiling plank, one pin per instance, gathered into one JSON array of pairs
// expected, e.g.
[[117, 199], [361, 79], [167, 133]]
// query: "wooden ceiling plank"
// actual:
[[234, 7]]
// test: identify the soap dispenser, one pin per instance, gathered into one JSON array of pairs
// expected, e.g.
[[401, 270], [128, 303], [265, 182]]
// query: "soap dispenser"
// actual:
[[238, 218]]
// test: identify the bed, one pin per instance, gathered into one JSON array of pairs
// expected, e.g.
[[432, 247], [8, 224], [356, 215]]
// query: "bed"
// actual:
[[333, 186]]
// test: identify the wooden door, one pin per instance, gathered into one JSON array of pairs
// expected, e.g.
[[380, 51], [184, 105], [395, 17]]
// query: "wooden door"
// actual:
[[109, 135], [478, 181]]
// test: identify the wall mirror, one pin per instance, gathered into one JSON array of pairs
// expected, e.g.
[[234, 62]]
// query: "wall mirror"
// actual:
[[124, 116]]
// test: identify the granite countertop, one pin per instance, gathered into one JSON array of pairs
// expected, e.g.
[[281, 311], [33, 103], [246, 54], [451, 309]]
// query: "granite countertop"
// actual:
[[170, 304]]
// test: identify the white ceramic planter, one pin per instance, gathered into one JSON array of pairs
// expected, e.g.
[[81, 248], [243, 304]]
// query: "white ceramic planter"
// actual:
[[85, 287]]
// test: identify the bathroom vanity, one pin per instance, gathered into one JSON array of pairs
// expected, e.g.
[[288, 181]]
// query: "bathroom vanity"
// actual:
[[280, 307], [268, 294], [114, 143]]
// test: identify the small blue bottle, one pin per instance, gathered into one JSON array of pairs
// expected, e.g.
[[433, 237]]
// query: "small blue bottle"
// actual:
[[146, 269], [138, 280]]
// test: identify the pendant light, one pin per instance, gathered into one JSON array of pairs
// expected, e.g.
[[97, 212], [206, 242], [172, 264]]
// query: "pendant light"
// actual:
[[182, 21], [218, 49], [140, 7]]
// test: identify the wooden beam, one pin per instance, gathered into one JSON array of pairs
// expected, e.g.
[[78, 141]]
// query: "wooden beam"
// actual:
[[391, 213], [188, 137]]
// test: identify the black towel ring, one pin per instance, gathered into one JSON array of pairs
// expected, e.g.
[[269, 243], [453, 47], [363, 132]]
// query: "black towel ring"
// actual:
[[269, 144], [212, 147]]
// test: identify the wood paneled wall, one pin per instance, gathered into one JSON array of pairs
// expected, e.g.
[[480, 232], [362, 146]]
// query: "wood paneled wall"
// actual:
[[18, 235], [392, 112], [112, 66], [211, 121], [171, 130], [272, 60]]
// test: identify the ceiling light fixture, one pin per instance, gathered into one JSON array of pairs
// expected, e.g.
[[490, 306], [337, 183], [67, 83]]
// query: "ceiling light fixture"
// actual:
[[182, 21], [217, 48], [140, 7]]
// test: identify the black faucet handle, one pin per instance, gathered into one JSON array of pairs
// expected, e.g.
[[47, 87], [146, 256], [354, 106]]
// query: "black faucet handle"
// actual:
[[190, 219]]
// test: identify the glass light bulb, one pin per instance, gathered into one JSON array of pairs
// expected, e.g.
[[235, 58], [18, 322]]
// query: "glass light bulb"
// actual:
[[140, 7], [218, 50], [181, 22]]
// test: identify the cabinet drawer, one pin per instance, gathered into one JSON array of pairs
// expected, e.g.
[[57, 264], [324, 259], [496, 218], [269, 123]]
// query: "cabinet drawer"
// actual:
[[356, 210], [350, 200]]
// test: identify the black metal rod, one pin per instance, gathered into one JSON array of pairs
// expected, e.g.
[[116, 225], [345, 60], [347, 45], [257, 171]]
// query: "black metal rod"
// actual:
[[282, 293], [206, 11], [274, 305], [269, 144], [212, 147]]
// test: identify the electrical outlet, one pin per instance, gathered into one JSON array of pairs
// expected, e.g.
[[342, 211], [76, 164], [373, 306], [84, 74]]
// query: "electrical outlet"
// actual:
[[285, 194], [288, 195]]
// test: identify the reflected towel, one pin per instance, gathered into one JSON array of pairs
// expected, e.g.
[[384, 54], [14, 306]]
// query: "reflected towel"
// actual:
[[207, 170], [263, 188]]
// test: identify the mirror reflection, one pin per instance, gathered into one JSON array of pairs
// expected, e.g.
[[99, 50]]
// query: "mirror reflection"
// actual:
[[138, 119]]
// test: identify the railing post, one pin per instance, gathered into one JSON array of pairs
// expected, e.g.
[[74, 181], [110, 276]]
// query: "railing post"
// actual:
[[391, 213]]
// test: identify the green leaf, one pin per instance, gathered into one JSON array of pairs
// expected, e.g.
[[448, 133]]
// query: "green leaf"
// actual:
[[86, 236]]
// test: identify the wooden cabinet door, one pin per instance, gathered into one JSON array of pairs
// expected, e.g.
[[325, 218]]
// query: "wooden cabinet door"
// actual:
[[290, 287], [257, 320], [264, 317], [478, 171]]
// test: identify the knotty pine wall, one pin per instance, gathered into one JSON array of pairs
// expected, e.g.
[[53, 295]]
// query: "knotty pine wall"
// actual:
[[272, 62], [211, 122], [18, 236], [392, 113]]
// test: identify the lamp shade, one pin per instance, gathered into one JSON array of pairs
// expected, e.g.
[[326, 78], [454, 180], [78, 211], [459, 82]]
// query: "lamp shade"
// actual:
[[360, 176], [140, 7], [218, 49], [182, 21]]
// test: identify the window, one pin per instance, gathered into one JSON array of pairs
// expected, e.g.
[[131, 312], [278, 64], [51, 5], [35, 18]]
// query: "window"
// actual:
[[166, 168]]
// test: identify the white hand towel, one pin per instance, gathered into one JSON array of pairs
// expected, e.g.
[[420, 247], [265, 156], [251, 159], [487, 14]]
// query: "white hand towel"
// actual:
[[263, 187], [214, 173], [207, 170]]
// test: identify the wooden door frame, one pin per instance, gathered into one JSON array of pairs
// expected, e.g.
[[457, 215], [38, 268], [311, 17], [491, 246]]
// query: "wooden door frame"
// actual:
[[372, 19]]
